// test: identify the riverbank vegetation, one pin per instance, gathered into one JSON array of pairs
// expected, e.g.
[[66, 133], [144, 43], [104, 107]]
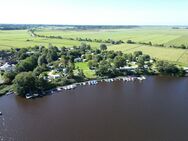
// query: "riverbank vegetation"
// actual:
[[50, 56], [38, 69]]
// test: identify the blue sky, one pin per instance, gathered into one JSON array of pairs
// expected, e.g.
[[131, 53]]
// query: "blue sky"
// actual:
[[92, 12]]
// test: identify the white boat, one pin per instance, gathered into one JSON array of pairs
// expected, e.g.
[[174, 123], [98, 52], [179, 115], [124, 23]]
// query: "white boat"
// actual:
[[58, 89], [65, 88], [140, 78], [143, 77], [35, 95], [1, 113], [89, 83], [28, 96]]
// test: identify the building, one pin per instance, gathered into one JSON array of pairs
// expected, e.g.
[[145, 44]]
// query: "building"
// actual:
[[52, 75], [7, 67]]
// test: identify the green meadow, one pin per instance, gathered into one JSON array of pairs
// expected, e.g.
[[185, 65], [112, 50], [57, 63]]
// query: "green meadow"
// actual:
[[84, 66], [156, 35]]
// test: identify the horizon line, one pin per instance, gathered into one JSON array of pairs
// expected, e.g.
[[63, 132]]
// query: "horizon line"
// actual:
[[93, 24]]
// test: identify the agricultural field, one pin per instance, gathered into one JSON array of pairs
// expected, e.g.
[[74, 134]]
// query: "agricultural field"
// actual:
[[178, 56], [156, 35]]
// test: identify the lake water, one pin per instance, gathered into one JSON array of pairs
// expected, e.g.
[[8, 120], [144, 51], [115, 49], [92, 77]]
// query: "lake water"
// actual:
[[153, 110]]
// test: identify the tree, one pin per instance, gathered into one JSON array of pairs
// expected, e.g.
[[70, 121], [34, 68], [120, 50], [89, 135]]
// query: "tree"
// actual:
[[64, 60], [105, 69], [137, 53], [140, 61], [92, 64], [103, 47], [70, 70], [129, 57], [98, 58], [9, 77], [165, 68], [119, 61], [29, 64], [52, 54], [42, 60], [24, 83], [130, 42], [39, 69]]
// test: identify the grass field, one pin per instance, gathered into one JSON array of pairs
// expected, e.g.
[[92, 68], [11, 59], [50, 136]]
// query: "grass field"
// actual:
[[178, 56], [157, 35], [88, 73]]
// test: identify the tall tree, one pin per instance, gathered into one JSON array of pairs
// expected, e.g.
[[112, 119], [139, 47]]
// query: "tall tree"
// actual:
[[103, 47]]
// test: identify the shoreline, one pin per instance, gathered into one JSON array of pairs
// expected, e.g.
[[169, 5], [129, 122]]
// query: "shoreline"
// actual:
[[73, 86], [93, 82]]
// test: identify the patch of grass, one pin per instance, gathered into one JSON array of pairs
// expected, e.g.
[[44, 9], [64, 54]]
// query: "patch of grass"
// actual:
[[84, 66]]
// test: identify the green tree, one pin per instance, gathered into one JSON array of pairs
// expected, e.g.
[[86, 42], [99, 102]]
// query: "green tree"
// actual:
[[103, 47], [42, 60], [92, 64], [52, 54], [28, 64], [105, 69], [119, 61], [166, 68], [9, 77], [140, 61], [24, 83]]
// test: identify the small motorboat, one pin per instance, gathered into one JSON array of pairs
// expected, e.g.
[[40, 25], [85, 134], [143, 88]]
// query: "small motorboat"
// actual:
[[28, 96], [1, 113]]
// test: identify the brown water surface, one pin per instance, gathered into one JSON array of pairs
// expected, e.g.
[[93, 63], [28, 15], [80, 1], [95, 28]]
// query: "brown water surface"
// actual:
[[154, 110]]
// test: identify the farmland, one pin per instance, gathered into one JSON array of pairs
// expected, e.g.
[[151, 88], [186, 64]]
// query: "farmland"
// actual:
[[156, 35]]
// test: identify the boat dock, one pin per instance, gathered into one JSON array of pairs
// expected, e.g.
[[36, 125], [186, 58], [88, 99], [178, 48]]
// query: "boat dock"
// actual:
[[90, 83], [95, 82]]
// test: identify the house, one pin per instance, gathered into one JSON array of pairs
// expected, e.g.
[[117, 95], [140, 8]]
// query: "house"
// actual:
[[128, 68], [7, 67], [78, 59], [53, 75]]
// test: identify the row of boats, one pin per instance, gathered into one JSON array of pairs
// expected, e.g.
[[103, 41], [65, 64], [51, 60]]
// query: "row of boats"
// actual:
[[73, 86], [95, 82], [125, 79], [92, 82]]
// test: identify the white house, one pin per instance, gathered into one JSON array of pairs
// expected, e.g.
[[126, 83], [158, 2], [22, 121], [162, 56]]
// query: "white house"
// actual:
[[7, 67], [128, 68], [51, 75]]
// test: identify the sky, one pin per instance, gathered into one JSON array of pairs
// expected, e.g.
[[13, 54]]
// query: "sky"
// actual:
[[95, 12]]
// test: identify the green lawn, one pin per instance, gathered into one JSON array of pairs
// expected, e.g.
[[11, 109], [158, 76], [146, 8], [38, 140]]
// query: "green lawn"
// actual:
[[84, 66]]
